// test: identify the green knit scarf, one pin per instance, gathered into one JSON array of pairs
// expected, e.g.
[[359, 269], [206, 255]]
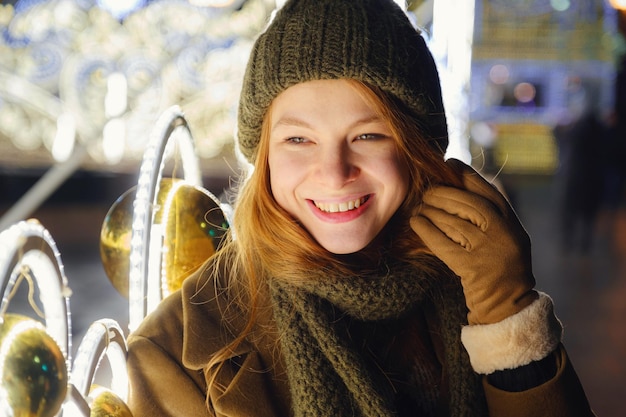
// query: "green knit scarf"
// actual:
[[329, 373]]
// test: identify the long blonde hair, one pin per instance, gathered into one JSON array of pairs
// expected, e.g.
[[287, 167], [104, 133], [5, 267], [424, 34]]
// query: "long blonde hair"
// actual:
[[270, 243]]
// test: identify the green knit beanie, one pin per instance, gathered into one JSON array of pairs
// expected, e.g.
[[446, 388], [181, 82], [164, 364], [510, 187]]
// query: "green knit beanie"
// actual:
[[372, 41]]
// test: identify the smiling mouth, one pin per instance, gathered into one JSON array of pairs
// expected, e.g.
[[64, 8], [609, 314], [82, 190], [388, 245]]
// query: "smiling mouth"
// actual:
[[341, 207]]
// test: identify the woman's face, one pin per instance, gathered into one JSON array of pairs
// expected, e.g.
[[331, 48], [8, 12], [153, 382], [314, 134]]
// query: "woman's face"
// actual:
[[334, 164]]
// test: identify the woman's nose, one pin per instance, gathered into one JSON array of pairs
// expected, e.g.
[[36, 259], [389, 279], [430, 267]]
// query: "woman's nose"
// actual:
[[336, 167]]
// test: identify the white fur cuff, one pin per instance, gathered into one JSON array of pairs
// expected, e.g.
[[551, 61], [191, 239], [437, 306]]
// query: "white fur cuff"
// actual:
[[530, 335]]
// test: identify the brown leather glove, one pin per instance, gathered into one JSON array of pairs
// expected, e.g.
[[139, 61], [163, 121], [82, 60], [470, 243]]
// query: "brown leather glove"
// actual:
[[478, 235]]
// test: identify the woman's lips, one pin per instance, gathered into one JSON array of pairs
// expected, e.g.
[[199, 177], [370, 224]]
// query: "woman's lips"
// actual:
[[341, 207], [340, 212]]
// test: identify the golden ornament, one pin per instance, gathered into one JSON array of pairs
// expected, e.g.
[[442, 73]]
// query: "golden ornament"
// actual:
[[192, 222], [34, 371], [105, 403]]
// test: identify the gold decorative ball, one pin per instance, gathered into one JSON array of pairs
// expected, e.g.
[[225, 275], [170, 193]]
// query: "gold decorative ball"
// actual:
[[105, 403], [115, 237], [34, 372], [192, 222]]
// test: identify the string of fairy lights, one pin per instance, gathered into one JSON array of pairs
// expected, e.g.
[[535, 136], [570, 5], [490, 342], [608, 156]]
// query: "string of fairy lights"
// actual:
[[91, 74]]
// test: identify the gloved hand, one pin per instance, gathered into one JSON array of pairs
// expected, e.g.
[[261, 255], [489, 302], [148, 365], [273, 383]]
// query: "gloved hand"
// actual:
[[476, 233]]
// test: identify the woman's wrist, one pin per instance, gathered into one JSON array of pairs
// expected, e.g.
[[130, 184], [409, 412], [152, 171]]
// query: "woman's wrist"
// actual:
[[525, 377]]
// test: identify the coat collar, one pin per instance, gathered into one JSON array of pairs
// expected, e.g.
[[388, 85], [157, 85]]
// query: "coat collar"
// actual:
[[210, 322]]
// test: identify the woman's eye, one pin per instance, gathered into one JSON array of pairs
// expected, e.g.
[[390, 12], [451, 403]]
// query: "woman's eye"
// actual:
[[296, 139], [369, 136]]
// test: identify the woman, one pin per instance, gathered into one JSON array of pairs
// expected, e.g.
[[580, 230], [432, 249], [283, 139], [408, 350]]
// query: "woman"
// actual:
[[364, 275]]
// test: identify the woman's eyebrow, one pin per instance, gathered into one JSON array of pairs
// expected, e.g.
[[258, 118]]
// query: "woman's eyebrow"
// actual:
[[291, 121], [295, 121]]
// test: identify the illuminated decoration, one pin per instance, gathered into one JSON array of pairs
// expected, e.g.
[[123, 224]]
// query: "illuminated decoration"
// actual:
[[147, 237], [37, 376], [618, 4], [233, 4], [193, 222], [121, 8], [122, 62], [63, 143], [105, 403], [28, 250], [103, 338]]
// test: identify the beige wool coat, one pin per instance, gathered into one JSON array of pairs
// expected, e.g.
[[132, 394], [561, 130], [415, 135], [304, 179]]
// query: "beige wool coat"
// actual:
[[169, 352]]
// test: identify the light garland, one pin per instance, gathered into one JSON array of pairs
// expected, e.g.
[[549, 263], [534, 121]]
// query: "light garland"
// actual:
[[103, 338], [28, 244], [169, 52], [144, 288]]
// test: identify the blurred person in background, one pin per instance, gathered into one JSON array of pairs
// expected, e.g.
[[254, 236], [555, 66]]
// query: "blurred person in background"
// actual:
[[580, 178], [615, 163]]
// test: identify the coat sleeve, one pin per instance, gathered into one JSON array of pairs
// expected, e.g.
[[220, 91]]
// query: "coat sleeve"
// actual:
[[530, 335], [562, 396], [160, 385]]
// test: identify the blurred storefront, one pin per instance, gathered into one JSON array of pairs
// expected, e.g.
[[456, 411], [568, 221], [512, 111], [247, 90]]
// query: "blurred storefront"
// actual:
[[535, 65]]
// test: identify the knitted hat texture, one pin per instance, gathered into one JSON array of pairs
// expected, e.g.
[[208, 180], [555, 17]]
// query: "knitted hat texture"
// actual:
[[372, 41]]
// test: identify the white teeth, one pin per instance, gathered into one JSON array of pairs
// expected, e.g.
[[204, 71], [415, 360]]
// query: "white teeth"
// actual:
[[340, 207]]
